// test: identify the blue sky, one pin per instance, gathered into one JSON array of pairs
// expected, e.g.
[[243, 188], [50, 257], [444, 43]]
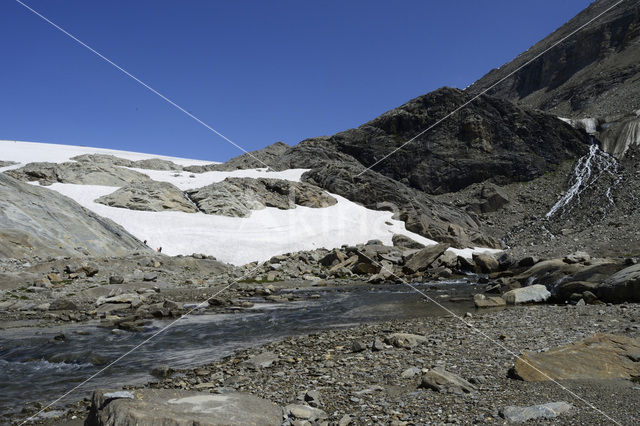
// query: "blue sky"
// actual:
[[257, 71]]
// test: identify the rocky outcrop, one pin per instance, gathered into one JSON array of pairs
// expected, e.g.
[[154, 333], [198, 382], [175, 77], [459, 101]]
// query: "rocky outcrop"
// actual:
[[251, 160], [149, 196], [159, 407], [37, 221], [112, 160], [82, 173], [593, 73], [7, 163], [602, 356], [237, 197], [489, 139], [621, 135]]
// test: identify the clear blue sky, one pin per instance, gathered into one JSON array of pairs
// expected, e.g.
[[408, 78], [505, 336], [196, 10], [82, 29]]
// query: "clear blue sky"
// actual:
[[257, 71]]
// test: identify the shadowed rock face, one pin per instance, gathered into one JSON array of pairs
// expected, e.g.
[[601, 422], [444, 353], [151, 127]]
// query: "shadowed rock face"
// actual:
[[149, 196], [488, 139], [593, 73], [37, 221], [237, 197]]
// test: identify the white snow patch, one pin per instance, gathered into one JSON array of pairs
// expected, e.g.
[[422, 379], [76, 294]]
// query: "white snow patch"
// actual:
[[187, 180], [468, 253], [31, 152], [265, 233]]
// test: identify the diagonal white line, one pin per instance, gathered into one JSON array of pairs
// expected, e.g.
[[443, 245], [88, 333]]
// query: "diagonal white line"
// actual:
[[135, 348], [495, 342], [137, 80], [487, 89]]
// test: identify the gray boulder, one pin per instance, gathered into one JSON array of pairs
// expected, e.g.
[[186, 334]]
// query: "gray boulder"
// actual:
[[403, 241], [549, 410], [532, 294], [149, 196], [161, 407], [440, 380]]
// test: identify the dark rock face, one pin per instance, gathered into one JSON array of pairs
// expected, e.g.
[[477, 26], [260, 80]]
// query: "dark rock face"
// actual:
[[592, 73], [36, 221], [488, 139]]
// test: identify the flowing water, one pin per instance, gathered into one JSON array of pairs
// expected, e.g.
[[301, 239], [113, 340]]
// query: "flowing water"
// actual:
[[34, 366], [588, 170]]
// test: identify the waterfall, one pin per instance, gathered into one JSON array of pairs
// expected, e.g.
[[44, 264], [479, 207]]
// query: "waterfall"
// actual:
[[588, 170]]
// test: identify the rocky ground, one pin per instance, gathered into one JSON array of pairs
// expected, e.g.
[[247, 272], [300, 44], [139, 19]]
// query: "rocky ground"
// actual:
[[371, 375]]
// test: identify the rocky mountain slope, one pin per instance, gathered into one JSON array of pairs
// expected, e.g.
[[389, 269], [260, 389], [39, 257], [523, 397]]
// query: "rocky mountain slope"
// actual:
[[595, 72], [37, 222]]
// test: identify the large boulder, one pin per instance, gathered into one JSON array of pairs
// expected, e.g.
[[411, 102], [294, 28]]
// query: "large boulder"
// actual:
[[149, 196], [532, 294], [623, 286], [38, 221], [161, 407], [421, 260], [486, 262], [602, 356]]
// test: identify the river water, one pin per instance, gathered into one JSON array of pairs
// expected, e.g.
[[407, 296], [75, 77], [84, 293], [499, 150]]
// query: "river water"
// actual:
[[34, 366]]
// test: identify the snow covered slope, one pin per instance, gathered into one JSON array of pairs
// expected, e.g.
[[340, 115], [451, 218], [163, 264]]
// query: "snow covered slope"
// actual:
[[235, 240]]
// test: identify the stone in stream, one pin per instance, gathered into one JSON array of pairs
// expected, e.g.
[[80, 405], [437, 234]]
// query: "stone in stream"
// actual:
[[549, 410], [440, 380], [601, 356], [159, 407], [482, 301], [531, 294]]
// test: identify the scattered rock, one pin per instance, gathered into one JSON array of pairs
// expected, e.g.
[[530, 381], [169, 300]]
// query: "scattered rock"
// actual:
[[405, 340], [482, 301], [440, 380], [549, 410], [421, 260]]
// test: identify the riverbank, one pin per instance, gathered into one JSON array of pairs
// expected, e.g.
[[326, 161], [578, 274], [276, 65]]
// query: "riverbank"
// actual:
[[353, 372]]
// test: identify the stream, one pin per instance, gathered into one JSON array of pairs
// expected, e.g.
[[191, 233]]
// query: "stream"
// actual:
[[35, 366]]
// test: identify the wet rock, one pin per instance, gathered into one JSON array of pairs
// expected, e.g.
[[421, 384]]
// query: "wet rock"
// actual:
[[440, 380], [159, 407], [532, 294], [482, 301], [527, 262], [162, 371], [602, 356], [549, 410]]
